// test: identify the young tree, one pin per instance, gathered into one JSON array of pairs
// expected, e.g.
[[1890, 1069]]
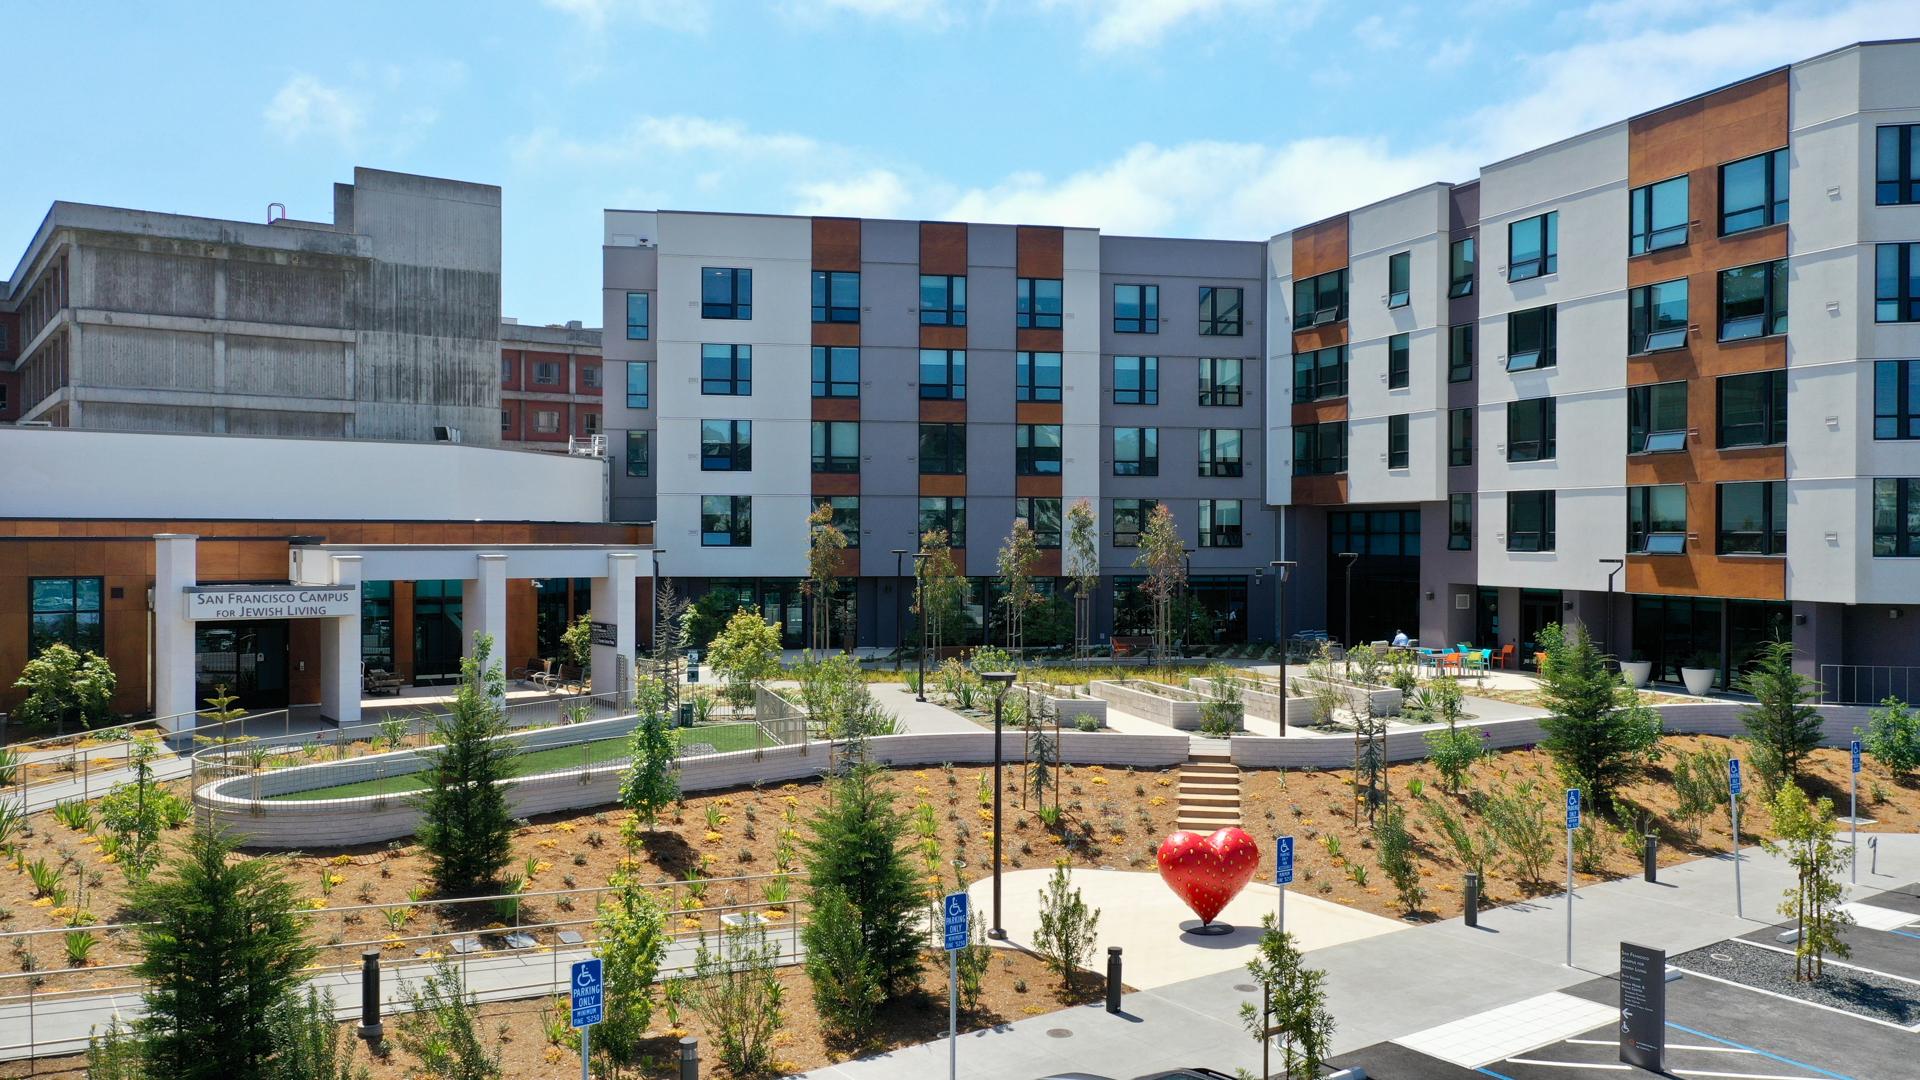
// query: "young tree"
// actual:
[[669, 641], [308, 1044], [1164, 557], [652, 781], [1293, 1005], [856, 851], [64, 686], [1082, 565], [222, 950], [1068, 927], [440, 1027], [1598, 732], [735, 989], [1893, 738], [466, 827], [847, 989], [1806, 841], [576, 643], [135, 813], [1393, 844], [706, 617], [825, 546], [1018, 553], [941, 592], [746, 652], [1781, 724], [1452, 751], [633, 940]]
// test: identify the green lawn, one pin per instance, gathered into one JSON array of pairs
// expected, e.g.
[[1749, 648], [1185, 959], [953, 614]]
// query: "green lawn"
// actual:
[[722, 737]]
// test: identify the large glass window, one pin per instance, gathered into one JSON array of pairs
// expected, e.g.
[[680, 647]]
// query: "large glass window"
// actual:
[[1657, 418], [726, 370], [1136, 380], [836, 446], [639, 316], [1530, 430], [947, 513], [1219, 523], [1129, 517], [546, 373], [1036, 449], [1460, 436], [943, 374], [66, 611], [943, 449], [1896, 283], [836, 371], [1036, 303], [726, 445], [1136, 451], [1896, 170], [1320, 374], [1320, 449], [1896, 518], [1036, 376], [639, 453], [1460, 259], [943, 300], [376, 624], [1460, 521], [1320, 299], [1657, 317], [1530, 521], [1220, 308], [1658, 216], [638, 395], [1220, 380], [1220, 452], [836, 296], [1399, 361], [726, 520], [1753, 301], [1460, 352], [726, 293], [1531, 339], [1043, 517], [1752, 518], [1533, 246], [1397, 449], [1136, 309], [846, 515], [1896, 399], [1657, 519], [1753, 192], [1753, 409], [1399, 279]]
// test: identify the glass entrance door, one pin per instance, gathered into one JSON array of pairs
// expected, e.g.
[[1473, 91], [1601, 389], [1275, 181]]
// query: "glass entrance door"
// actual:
[[249, 659], [1539, 609], [437, 636]]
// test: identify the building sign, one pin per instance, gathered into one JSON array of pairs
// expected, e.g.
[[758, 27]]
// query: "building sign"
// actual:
[[1643, 1006], [605, 633], [223, 602]]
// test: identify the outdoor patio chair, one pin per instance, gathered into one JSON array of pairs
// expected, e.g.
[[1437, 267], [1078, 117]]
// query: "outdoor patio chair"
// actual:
[[1505, 659], [379, 681], [1476, 662]]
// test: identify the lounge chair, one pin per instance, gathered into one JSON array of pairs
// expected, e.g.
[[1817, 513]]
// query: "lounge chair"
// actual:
[[375, 681]]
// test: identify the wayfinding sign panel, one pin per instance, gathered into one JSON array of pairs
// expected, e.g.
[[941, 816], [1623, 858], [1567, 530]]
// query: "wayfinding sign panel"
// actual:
[[1643, 1006]]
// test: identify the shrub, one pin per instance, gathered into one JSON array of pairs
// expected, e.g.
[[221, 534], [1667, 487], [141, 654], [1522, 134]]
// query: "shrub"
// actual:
[[972, 962], [1781, 723], [1700, 784], [9, 766], [1893, 738], [1068, 927], [439, 1028], [307, 1043], [856, 851], [1393, 846], [1474, 846], [632, 933], [735, 989], [64, 687], [1598, 733], [79, 943], [115, 1054], [745, 652], [134, 813], [74, 814], [1454, 751], [1221, 712], [466, 829], [847, 989], [1087, 722], [1523, 820]]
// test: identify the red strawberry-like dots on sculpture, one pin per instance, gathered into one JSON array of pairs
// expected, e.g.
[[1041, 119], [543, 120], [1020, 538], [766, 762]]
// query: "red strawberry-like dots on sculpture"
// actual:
[[1208, 871]]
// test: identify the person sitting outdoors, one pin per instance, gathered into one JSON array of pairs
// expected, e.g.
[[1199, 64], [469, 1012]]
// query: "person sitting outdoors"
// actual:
[[1400, 640]]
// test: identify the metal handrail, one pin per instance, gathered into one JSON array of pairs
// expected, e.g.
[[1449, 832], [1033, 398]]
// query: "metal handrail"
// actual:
[[1868, 684]]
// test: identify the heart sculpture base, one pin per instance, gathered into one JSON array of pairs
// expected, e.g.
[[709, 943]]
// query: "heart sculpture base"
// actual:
[[1208, 871], [1210, 929]]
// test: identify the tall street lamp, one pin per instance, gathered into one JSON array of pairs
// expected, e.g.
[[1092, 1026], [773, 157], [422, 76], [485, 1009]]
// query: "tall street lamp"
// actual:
[[1618, 565], [920, 604], [1346, 631], [899, 617], [1281, 569], [999, 680]]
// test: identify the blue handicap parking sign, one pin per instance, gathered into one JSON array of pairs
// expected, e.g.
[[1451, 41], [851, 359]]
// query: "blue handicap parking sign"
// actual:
[[1855, 748], [954, 908], [1573, 808], [585, 984], [1283, 862], [1733, 775]]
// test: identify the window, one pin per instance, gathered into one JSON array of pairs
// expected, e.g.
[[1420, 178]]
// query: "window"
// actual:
[[1753, 518], [639, 453], [1460, 521], [726, 445], [637, 395], [1399, 361], [590, 423], [1036, 376], [1531, 338], [1460, 436], [726, 294], [1320, 449], [1896, 399], [1399, 279], [1658, 216], [726, 370], [1530, 430], [1896, 518], [1657, 418], [1897, 164], [639, 316], [66, 611], [1036, 449], [836, 296], [506, 370], [1320, 300], [546, 421], [1460, 268], [546, 373], [836, 371], [1136, 309], [1136, 451], [1043, 517], [943, 300], [1220, 523], [1530, 521], [846, 516], [1753, 409], [590, 376], [948, 513], [1220, 311], [836, 446], [943, 374], [1320, 374], [506, 419], [1753, 301], [1657, 519], [1220, 452], [1657, 317], [1129, 517], [1036, 303], [1220, 380], [1533, 246], [1753, 192], [943, 449], [1397, 452], [1460, 353], [1896, 284], [726, 520], [1136, 380]]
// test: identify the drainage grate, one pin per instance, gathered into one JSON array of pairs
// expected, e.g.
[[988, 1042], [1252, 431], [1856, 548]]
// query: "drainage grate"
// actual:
[[1246, 988], [1059, 1033]]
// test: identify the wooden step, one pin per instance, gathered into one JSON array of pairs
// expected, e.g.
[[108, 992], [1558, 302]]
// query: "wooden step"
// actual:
[[1209, 770], [1227, 801]]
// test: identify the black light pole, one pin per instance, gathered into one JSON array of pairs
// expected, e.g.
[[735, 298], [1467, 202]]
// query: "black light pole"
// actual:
[[1346, 631], [1618, 565], [899, 618], [1282, 568], [1000, 680], [920, 602]]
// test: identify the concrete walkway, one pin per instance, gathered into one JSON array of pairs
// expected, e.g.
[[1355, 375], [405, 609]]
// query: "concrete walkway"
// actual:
[[919, 717]]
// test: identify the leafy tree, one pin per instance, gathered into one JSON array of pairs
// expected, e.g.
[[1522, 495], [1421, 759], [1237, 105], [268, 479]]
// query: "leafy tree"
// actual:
[[1806, 842], [1163, 556], [707, 617], [1393, 845], [941, 592], [576, 642], [847, 988], [466, 827], [1017, 555], [1082, 565], [1294, 1005], [856, 851], [1782, 725], [308, 1044], [1598, 732], [633, 940], [1893, 738], [135, 813], [1452, 751], [440, 1028], [64, 686], [669, 641], [825, 545], [746, 652], [652, 781], [223, 949], [735, 989], [1068, 927]]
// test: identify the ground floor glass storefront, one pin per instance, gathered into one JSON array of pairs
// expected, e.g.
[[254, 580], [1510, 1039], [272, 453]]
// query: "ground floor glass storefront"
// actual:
[[1685, 631], [1386, 574], [1218, 603]]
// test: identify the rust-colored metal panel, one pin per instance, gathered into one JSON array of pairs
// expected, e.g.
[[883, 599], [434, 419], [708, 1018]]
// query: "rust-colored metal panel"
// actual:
[[943, 247], [1319, 412], [1320, 337], [403, 629], [1037, 487], [943, 337], [838, 408], [849, 564], [836, 243], [303, 660], [1040, 251], [1320, 490], [1320, 247], [1039, 339], [836, 483], [943, 412], [943, 485], [1744, 577], [1048, 564], [1037, 412], [836, 333]]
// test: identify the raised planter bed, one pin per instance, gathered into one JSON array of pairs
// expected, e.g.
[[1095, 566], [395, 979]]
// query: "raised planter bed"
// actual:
[[1261, 700], [1381, 700], [1173, 706], [1070, 703]]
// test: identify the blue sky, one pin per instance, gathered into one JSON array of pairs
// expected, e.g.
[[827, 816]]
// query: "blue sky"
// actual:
[[1229, 118]]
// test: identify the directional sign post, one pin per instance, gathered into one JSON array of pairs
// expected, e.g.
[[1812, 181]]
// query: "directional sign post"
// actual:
[[1573, 823], [588, 1005], [1643, 1006], [954, 909], [1733, 807], [1282, 877], [1853, 809]]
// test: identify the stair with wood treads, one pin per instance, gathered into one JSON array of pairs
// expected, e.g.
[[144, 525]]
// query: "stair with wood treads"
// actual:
[[1209, 794]]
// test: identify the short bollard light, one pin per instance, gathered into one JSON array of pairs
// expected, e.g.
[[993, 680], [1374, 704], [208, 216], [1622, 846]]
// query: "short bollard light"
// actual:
[[1650, 859], [689, 1058], [370, 1028], [1473, 899], [1113, 978]]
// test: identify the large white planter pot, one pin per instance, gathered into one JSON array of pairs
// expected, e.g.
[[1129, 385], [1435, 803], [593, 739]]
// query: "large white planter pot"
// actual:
[[1638, 672], [1699, 680]]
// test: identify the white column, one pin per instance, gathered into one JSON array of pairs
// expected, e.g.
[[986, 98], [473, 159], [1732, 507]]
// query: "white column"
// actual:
[[484, 606], [174, 570], [340, 651], [613, 602]]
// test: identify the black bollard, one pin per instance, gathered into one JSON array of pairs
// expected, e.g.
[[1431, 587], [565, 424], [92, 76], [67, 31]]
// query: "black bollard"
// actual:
[[689, 1058], [1650, 859], [370, 1028], [1473, 899], [1113, 978]]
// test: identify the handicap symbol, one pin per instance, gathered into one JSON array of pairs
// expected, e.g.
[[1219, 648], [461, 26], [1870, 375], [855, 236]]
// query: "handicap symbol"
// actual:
[[585, 979], [954, 907]]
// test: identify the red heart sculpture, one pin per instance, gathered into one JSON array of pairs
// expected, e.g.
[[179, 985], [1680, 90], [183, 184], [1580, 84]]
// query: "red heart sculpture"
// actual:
[[1208, 871]]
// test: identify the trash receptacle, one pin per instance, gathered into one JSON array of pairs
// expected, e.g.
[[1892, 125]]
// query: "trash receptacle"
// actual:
[[686, 714]]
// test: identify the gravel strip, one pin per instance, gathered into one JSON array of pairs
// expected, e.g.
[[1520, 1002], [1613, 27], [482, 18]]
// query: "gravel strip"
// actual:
[[1858, 992]]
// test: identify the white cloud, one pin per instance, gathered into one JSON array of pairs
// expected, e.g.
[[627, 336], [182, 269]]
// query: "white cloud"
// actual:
[[1118, 25], [649, 137], [930, 13], [685, 15], [875, 193], [306, 106], [1374, 32]]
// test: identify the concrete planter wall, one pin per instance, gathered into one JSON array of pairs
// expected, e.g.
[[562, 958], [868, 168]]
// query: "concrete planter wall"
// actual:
[[1178, 709], [1382, 700], [1071, 706], [1262, 701]]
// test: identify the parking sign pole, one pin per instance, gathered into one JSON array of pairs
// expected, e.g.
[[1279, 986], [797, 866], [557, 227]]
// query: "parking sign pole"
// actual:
[[1282, 877], [957, 910], [1853, 809], [1733, 807], [1573, 822], [953, 1018], [586, 1055]]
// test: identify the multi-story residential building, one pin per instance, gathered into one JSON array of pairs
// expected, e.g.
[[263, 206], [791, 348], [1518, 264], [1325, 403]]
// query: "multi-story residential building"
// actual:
[[550, 387], [383, 324]]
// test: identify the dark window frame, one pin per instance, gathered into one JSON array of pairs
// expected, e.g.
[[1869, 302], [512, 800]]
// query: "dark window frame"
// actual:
[[1896, 296], [1311, 296], [1147, 461], [952, 308], [1146, 303], [1213, 462], [1898, 538], [1770, 539], [1036, 305], [738, 381], [1216, 391], [1046, 533], [1644, 233], [1543, 447], [952, 364], [825, 310], [1546, 230], [1460, 437], [1771, 319], [1399, 361], [1461, 284], [1399, 279], [645, 323], [738, 283], [1319, 382], [846, 515], [1399, 451], [1645, 534], [1222, 320], [734, 453], [1896, 182], [1773, 405], [1896, 415], [1646, 332], [1546, 355], [1027, 382], [1134, 515], [738, 517], [1460, 349], [82, 637], [1544, 538], [1146, 370], [1031, 457], [949, 443], [641, 464], [829, 380], [1320, 449], [825, 460], [1772, 208], [643, 399], [1460, 525], [950, 515], [1643, 437], [1215, 533]]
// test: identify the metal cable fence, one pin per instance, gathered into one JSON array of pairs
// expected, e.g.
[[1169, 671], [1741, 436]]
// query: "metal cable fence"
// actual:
[[1868, 684]]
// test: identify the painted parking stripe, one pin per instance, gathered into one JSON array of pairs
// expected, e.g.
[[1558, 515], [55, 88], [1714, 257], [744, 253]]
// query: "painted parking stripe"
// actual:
[[1874, 917], [1829, 961], [1670, 1046], [1903, 933], [1755, 1050], [1566, 1064]]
